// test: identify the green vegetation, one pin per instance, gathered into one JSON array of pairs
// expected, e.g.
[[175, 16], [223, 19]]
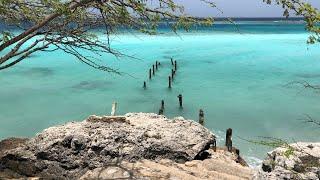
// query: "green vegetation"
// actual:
[[65, 25], [300, 8], [289, 152]]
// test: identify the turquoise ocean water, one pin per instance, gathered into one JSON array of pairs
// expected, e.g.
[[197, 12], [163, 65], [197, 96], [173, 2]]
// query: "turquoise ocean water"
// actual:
[[238, 75]]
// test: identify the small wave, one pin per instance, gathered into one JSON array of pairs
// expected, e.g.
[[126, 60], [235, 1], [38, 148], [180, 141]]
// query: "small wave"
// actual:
[[219, 136], [253, 162]]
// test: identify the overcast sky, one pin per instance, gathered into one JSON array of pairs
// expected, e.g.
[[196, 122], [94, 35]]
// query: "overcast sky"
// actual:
[[236, 8]]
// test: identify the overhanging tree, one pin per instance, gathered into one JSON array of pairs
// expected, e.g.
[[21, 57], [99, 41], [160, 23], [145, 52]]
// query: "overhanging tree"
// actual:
[[49, 25], [300, 8], [67, 25]]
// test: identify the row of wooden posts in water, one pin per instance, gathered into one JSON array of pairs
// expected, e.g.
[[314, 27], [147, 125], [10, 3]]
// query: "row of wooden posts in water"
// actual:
[[152, 72]]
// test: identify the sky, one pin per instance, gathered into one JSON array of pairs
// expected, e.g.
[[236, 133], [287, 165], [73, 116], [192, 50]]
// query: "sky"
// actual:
[[236, 8]]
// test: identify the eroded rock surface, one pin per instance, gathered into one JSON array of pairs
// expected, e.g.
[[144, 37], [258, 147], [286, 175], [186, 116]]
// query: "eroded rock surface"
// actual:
[[11, 143], [298, 161], [221, 165], [70, 150]]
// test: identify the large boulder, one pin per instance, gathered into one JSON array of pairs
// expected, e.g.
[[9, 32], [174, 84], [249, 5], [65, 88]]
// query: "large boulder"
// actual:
[[296, 161], [70, 150]]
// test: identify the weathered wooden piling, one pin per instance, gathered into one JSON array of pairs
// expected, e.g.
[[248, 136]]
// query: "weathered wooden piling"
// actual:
[[169, 81], [153, 69], [238, 152], [229, 139], [201, 117], [175, 65], [150, 73], [144, 85], [114, 109], [160, 111], [172, 74], [171, 61], [214, 144], [156, 65], [180, 100]]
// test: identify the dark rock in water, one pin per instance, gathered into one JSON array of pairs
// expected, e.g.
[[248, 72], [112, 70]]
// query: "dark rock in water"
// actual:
[[90, 85], [39, 71], [308, 75], [210, 61], [70, 150]]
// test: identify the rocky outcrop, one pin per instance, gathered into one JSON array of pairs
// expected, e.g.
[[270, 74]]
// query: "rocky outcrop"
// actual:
[[69, 151], [11, 143], [296, 161], [144, 146], [221, 165]]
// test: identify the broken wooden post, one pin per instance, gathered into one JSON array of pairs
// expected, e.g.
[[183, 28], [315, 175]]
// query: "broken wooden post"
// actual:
[[169, 81], [175, 65], [214, 145], [171, 61], [180, 100], [238, 160], [160, 111], [201, 117], [114, 109], [172, 74], [153, 69], [229, 139], [156, 65], [162, 104], [150, 73], [238, 152], [144, 85]]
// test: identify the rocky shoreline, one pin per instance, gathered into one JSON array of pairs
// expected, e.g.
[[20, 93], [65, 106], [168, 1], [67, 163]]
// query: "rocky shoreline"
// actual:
[[143, 146]]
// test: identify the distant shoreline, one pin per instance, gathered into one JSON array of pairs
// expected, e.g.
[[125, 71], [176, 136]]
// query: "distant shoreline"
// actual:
[[217, 21]]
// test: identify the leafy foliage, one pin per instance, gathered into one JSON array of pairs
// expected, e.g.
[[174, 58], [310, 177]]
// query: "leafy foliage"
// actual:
[[67, 25], [300, 8]]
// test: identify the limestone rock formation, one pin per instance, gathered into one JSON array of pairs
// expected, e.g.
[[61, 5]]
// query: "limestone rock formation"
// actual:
[[69, 151], [221, 165], [298, 161]]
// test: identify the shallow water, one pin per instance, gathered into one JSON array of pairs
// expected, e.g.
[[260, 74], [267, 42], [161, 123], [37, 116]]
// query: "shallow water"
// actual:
[[240, 80]]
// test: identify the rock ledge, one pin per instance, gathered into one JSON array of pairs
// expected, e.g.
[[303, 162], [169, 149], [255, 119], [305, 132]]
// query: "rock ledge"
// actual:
[[297, 161], [69, 151]]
